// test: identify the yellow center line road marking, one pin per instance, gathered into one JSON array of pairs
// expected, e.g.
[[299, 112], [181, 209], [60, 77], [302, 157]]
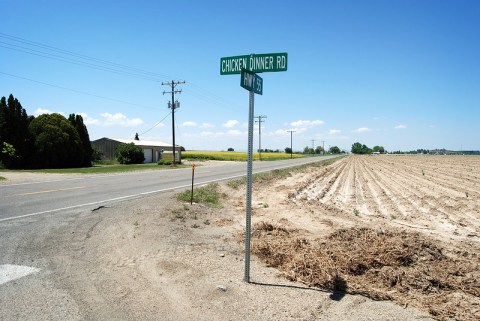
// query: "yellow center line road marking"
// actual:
[[51, 191]]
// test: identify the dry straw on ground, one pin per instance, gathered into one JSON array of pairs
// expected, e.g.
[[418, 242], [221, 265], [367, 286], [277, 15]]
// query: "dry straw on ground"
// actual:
[[407, 268]]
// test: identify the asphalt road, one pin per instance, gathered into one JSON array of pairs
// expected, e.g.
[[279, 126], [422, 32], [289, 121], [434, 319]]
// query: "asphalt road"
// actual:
[[19, 201]]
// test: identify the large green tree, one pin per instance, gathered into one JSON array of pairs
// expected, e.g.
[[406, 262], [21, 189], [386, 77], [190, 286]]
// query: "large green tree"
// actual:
[[308, 150], [57, 143], [358, 148], [319, 150], [87, 151], [334, 150], [129, 154], [14, 123], [379, 149]]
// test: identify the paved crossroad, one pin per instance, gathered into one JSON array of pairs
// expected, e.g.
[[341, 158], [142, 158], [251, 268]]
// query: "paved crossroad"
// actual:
[[32, 199]]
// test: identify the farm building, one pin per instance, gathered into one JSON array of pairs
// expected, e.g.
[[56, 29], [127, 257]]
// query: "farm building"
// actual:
[[153, 151]]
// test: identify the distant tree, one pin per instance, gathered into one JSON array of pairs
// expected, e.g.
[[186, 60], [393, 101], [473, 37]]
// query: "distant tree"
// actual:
[[14, 123], [230, 149], [334, 150], [308, 150], [129, 154], [379, 149], [96, 155], [136, 136], [318, 150], [366, 150], [358, 148], [56, 142], [288, 150], [86, 151]]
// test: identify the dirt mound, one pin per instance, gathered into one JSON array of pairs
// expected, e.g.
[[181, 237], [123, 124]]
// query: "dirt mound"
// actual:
[[393, 264]]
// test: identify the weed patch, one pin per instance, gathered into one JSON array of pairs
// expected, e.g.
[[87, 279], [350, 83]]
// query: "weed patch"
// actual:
[[208, 195]]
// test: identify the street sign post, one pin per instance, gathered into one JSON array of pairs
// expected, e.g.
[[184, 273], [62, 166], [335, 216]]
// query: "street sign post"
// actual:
[[251, 81], [255, 63], [247, 66]]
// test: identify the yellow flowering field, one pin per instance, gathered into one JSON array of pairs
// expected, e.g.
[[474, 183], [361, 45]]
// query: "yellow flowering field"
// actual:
[[234, 156]]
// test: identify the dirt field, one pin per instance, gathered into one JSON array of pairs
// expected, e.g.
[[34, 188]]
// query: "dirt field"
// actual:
[[403, 228]]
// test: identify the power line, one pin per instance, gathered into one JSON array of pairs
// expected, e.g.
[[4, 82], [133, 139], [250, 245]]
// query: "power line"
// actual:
[[86, 61], [212, 97], [77, 62], [77, 91], [54, 53], [155, 125]]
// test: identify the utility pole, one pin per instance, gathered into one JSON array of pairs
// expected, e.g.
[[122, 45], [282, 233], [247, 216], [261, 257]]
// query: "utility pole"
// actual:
[[173, 105], [313, 145], [260, 121], [291, 147], [323, 147]]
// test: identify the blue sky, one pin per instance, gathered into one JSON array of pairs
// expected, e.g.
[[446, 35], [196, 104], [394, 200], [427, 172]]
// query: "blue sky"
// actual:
[[400, 74]]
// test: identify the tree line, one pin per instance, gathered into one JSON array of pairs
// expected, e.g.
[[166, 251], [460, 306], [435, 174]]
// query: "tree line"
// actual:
[[46, 141], [317, 150], [358, 148]]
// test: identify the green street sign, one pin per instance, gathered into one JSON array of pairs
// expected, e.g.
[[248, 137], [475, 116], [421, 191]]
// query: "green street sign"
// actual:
[[251, 82], [255, 63]]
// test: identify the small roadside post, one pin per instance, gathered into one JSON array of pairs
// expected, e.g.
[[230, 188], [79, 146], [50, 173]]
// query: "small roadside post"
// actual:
[[248, 66], [193, 179]]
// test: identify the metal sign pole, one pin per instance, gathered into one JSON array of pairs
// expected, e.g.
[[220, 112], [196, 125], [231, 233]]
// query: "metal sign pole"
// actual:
[[248, 203], [247, 66]]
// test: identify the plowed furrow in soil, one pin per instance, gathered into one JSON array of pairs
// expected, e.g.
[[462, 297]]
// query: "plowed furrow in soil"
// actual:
[[346, 194], [383, 197], [319, 184], [417, 191], [417, 215], [445, 184], [339, 181], [449, 176], [369, 202], [451, 209], [392, 190]]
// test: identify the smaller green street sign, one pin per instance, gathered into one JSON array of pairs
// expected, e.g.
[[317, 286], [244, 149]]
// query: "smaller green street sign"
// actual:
[[272, 62], [251, 82]]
